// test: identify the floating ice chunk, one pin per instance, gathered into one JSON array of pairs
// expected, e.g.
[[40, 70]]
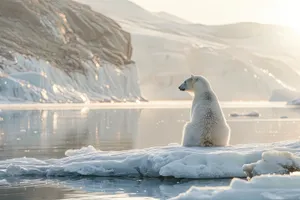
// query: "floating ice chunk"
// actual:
[[83, 150], [273, 162], [258, 188], [3, 182], [167, 161], [250, 114]]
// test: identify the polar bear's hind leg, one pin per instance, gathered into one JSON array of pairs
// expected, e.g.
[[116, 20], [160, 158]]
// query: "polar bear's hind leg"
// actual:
[[207, 143]]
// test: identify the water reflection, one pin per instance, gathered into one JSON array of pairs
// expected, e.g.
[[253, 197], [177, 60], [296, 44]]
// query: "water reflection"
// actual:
[[49, 133], [102, 188], [162, 126]]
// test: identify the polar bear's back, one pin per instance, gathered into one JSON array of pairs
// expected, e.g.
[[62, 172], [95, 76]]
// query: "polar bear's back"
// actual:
[[208, 126], [215, 129]]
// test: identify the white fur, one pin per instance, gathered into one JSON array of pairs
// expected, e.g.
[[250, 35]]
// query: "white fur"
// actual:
[[207, 126]]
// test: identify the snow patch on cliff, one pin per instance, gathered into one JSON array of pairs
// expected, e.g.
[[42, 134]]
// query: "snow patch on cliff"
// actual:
[[35, 80]]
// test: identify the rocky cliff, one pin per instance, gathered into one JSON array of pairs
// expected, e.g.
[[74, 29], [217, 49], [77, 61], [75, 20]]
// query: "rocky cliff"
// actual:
[[62, 51]]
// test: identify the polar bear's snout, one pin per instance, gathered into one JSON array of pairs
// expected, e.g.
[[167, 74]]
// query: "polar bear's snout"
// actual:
[[182, 87]]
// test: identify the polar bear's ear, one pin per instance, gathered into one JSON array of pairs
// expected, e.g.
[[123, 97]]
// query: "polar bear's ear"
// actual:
[[194, 78]]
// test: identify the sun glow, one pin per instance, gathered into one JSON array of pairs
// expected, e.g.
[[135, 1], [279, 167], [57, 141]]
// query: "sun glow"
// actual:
[[288, 14], [281, 12]]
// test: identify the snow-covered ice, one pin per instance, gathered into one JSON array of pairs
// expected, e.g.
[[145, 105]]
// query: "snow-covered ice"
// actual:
[[168, 161], [82, 151], [273, 162], [3, 182], [264, 187]]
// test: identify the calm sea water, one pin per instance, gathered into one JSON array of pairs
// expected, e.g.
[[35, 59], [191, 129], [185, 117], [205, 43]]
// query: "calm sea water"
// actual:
[[49, 133]]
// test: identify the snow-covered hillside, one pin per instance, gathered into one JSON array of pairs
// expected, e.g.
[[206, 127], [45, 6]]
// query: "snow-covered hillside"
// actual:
[[244, 61], [62, 51]]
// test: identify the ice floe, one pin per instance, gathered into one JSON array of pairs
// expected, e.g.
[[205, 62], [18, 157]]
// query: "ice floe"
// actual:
[[273, 162], [168, 161], [264, 187]]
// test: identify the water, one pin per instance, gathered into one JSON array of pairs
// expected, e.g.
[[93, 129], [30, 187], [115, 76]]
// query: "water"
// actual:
[[48, 133]]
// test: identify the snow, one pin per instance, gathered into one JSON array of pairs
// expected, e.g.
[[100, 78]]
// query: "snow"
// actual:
[[27, 79], [273, 162], [258, 188], [3, 182], [167, 161], [82, 151]]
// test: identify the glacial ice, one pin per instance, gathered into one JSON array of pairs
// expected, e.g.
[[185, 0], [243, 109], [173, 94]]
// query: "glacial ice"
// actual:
[[273, 162], [168, 161], [266, 187]]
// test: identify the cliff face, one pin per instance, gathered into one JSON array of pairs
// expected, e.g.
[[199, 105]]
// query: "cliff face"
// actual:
[[54, 38]]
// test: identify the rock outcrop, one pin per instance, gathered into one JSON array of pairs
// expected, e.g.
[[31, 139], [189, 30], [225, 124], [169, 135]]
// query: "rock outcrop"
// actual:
[[81, 54]]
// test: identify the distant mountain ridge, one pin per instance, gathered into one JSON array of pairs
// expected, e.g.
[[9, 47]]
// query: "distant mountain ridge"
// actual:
[[170, 17], [244, 61]]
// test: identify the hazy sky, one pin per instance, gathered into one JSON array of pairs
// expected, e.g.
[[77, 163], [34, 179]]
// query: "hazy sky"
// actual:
[[285, 12]]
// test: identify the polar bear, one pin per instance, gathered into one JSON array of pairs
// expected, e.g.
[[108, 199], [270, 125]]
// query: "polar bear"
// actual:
[[207, 126]]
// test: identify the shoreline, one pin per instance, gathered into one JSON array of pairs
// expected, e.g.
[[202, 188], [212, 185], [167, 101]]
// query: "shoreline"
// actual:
[[138, 105]]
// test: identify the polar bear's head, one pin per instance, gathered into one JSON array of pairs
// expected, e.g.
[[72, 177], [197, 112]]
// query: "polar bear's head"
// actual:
[[195, 84]]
